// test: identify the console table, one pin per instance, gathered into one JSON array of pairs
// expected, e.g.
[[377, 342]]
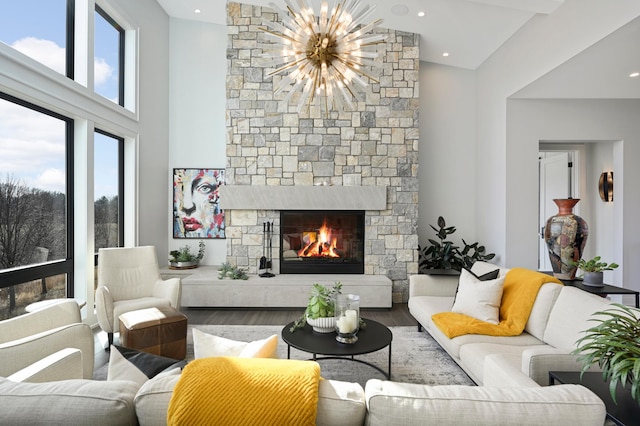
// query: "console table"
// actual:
[[603, 290], [625, 412], [202, 288]]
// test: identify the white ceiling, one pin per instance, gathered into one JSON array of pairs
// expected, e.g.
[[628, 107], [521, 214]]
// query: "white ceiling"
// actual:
[[469, 30]]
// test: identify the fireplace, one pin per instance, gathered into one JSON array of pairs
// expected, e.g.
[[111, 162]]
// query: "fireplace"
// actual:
[[322, 242]]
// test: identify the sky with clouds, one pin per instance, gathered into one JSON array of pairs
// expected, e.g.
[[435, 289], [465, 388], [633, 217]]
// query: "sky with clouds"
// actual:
[[31, 143]]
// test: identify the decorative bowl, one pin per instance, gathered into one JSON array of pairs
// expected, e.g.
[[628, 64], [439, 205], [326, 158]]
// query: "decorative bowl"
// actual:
[[323, 325]]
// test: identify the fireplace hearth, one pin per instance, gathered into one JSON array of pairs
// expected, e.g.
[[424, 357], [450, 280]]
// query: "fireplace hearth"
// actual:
[[322, 242]]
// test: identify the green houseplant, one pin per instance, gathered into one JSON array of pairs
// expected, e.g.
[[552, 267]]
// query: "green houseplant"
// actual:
[[444, 256], [184, 258], [227, 270], [321, 304], [593, 269], [614, 345]]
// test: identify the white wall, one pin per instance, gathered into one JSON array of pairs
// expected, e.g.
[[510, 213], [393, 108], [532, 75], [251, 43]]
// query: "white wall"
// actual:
[[197, 112], [152, 211], [530, 121], [447, 151], [543, 44]]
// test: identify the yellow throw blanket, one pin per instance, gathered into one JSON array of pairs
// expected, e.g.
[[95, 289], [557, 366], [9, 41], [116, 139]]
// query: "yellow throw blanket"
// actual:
[[246, 391], [518, 296]]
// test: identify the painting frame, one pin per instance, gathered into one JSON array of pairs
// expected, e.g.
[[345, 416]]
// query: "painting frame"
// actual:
[[196, 203]]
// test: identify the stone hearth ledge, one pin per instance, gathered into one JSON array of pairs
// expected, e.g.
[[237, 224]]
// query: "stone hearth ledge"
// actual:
[[202, 288], [246, 197]]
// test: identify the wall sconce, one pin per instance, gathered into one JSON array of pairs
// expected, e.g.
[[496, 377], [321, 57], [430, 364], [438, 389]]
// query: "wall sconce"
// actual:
[[605, 186]]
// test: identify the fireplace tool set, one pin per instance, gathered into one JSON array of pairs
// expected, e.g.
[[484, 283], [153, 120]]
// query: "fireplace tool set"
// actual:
[[266, 261]]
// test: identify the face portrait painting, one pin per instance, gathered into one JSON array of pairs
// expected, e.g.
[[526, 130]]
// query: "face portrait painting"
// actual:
[[196, 203]]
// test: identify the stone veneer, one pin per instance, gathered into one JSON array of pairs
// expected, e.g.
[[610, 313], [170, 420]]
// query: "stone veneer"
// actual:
[[270, 144]]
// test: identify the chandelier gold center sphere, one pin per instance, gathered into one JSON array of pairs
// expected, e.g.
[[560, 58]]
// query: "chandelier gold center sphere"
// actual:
[[324, 56]]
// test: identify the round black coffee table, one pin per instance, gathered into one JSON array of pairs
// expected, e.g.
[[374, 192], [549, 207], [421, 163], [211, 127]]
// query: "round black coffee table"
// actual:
[[373, 338]]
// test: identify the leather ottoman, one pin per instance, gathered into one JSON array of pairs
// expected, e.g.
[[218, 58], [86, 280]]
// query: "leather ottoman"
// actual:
[[159, 331]]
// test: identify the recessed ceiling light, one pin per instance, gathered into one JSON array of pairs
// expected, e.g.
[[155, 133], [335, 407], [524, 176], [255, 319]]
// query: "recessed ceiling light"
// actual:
[[197, 11], [634, 74], [445, 54], [421, 14], [399, 9]]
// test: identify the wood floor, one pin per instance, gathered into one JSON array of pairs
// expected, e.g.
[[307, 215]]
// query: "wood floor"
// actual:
[[398, 315]]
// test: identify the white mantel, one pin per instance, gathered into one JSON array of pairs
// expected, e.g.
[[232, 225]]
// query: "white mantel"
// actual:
[[249, 197]]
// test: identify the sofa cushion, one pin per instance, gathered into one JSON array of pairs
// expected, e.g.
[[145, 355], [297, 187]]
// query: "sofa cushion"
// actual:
[[68, 402], [541, 309], [136, 366], [478, 299], [570, 316], [406, 404], [473, 355], [339, 403], [207, 345]]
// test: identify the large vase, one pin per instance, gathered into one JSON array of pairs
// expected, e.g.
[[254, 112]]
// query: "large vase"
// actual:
[[565, 235]]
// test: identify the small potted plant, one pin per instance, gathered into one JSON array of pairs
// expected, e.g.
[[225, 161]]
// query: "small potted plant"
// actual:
[[184, 259], [227, 270], [593, 270], [320, 311], [613, 346]]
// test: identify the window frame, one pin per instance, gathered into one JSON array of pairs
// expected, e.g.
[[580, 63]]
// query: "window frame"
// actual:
[[121, 51], [21, 274], [120, 187]]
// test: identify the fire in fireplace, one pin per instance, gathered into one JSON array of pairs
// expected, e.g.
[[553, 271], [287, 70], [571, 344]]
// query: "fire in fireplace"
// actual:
[[322, 242]]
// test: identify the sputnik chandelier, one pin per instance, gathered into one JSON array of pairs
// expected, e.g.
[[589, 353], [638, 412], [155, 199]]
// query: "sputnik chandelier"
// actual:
[[323, 56]]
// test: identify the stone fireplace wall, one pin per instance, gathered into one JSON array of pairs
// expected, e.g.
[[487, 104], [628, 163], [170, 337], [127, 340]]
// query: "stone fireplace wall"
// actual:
[[376, 145]]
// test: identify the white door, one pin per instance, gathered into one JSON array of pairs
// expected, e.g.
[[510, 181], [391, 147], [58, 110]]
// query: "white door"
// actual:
[[554, 183]]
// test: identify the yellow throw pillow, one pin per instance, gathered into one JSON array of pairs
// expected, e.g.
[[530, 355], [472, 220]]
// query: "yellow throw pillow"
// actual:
[[207, 345], [479, 299]]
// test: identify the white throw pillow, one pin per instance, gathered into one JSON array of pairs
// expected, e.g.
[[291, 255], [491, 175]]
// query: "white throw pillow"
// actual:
[[479, 299], [207, 345]]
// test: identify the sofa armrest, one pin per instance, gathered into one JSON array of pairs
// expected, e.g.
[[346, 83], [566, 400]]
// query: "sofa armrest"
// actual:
[[65, 312], [537, 362], [20, 354], [65, 364], [410, 404], [433, 285], [169, 289]]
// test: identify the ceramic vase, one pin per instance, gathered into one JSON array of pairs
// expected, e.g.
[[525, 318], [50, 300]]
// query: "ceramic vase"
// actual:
[[565, 235]]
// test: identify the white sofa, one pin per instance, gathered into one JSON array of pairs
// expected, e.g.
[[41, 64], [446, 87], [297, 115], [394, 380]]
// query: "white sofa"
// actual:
[[381, 403], [559, 317]]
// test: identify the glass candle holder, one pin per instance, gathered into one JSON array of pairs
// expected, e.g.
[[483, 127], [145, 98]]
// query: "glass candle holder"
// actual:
[[347, 318]]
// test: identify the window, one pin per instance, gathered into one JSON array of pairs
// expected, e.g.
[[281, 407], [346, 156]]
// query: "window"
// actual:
[[35, 148], [108, 187], [108, 57], [39, 29]]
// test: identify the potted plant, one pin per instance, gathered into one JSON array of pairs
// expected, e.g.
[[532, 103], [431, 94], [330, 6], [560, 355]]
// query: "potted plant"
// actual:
[[614, 346], [184, 259], [320, 310], [444, 257], [593, 270], [227, 270]]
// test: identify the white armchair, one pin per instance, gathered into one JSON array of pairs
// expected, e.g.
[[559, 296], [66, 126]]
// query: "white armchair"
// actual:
[[47, 345], [128, 280]]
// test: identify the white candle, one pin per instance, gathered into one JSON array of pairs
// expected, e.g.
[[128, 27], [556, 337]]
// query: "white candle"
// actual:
[[348, 322]]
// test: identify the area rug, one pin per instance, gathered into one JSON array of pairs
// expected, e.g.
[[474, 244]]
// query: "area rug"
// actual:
[[415, 356]]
